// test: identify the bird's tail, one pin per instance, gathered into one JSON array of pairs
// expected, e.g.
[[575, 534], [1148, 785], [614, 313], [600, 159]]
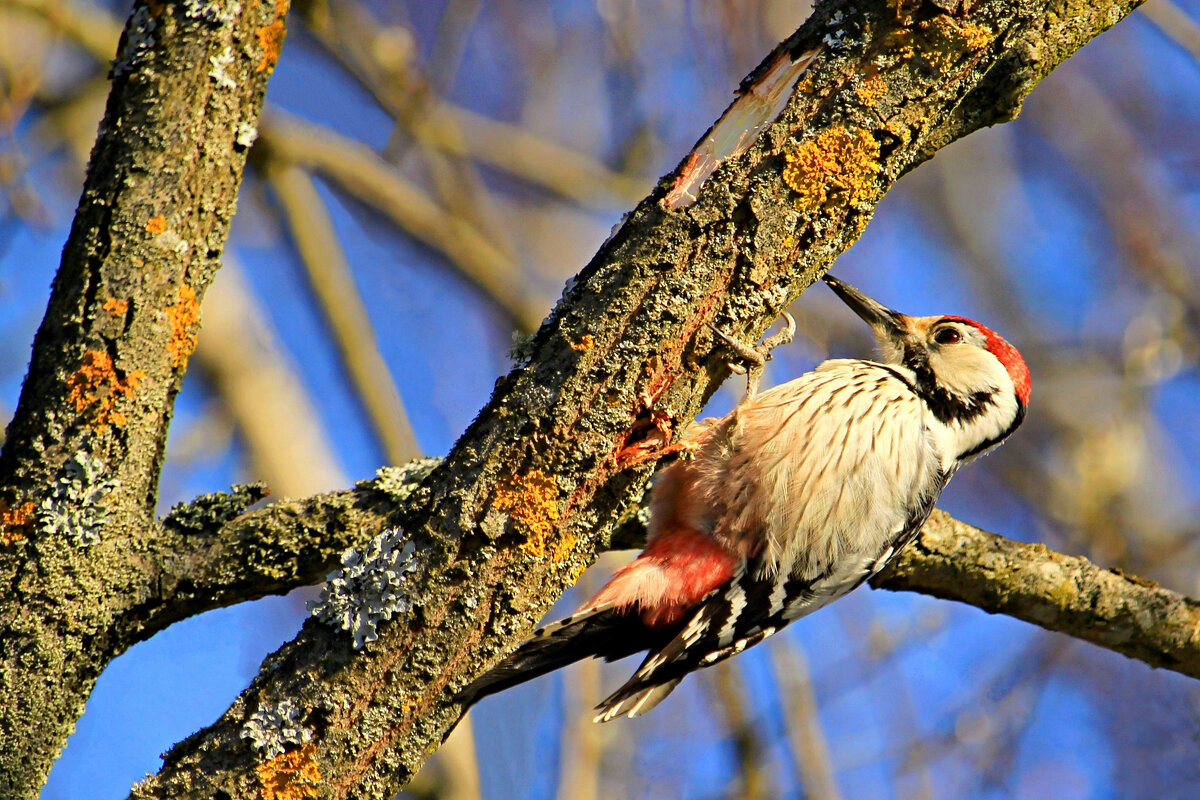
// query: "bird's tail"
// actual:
[[600, 631]]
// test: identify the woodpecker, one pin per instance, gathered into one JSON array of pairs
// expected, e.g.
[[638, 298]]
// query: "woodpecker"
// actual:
[[793, 499]]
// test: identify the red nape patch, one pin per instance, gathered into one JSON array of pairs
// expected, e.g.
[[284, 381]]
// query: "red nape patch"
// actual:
[[670, 577], [1007, 355]]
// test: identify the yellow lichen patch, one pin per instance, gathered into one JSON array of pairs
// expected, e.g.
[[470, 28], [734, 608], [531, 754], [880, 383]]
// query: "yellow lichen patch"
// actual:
[[15, 522], [532, 502], [290, 776], [576, 570], [270, 38], [897, 128], [156, 225], [184, 317], [948, 42], [900, 42], [586, 343], [837, 168], [562, 549], [976, 37], [869, 90], [116, 307], [95, 388], [860, 225]]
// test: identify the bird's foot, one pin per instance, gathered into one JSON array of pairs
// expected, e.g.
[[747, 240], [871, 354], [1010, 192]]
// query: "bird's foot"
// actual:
[[754, 359]]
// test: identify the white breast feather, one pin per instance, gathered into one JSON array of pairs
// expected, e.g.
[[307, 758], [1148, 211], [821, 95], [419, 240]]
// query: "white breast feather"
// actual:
[[824, 467]]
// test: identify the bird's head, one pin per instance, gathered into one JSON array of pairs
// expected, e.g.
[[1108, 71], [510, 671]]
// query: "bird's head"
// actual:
[[961, 367]]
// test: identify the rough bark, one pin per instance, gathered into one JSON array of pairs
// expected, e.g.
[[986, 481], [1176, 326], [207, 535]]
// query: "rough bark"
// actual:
[[518, 507], [80, 466]]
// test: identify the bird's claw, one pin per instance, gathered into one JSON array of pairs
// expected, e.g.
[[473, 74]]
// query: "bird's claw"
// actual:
[[754, 359]]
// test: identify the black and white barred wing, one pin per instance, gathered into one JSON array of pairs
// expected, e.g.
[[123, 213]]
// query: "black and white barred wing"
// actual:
[[741, 614]]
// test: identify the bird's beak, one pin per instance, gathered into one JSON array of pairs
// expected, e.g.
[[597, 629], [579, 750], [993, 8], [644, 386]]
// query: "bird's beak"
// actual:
[[889, 326]]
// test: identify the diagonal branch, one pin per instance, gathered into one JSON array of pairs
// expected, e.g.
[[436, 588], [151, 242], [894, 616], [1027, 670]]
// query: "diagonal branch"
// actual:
[[332, 283]]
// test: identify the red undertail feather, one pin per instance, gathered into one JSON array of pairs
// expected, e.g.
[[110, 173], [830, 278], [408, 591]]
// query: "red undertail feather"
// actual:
[[675, 571]]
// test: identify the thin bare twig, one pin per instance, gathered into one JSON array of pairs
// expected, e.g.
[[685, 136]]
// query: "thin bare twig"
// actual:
[[806, 735], [363, 174], [333, 285]]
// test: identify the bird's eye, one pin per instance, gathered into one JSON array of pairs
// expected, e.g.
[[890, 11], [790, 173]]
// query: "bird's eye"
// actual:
[[947, 336]]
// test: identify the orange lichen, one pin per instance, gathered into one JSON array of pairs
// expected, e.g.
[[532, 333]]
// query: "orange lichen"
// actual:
[[586, 343], [947, 42], [900, 41], [976, 37], [837, 168], [184, 317], [15, 522], [290, 776], [532, 502], [563, 548], [270, 38], [95, 388], [871, 89], [156, 225], [116, 307]]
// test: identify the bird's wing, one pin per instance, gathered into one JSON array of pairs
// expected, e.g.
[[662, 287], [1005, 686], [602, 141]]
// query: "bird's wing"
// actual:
[[601, 631], [755, 604], [740, 614]]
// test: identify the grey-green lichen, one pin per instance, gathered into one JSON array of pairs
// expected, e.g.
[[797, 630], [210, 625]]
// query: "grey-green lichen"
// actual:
[[220, 66], [75, 510], [247, 134], [400, 482], [272, 728], [212, 11], [208, 512], [371, 586], [521, 350]]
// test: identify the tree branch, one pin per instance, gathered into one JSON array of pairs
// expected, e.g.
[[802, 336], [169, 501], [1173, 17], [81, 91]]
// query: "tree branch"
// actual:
[[1068, 594], [82, 455], [295, 543]]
